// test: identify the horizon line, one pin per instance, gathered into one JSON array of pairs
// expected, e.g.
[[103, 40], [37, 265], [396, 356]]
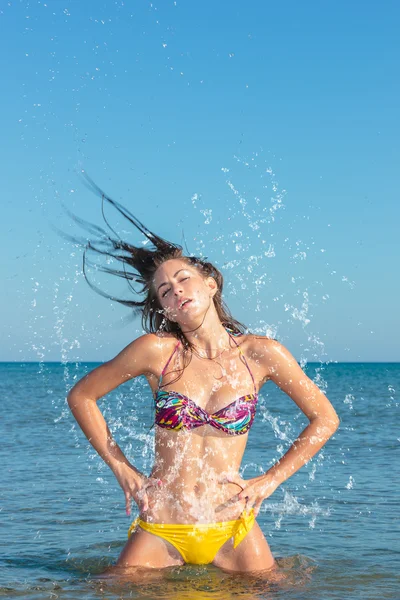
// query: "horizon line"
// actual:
[[70, 362]]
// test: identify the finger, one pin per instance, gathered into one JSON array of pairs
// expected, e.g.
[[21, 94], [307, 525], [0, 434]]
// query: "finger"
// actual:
[[153, 481], [245, 494], [228, 503], [234, 499], [249, 503], [128, 499], [139, 498], [145, 502]]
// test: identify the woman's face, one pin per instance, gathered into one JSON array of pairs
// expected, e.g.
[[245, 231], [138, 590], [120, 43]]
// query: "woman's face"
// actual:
[[176, 282]]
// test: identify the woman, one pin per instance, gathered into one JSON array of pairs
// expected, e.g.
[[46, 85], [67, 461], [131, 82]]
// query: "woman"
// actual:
[[205, 374]]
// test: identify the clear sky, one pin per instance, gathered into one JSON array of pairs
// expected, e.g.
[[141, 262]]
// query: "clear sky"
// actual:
[[266, 133]]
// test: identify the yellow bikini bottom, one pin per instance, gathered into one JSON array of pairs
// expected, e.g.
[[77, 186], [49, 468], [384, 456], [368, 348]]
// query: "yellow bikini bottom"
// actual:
[[199, 543]]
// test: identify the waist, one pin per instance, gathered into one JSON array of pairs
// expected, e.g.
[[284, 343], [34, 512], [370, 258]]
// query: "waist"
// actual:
[[192, 468], [193, 502]]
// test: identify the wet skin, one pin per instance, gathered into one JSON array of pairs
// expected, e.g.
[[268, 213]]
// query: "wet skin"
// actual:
[[193, 465]]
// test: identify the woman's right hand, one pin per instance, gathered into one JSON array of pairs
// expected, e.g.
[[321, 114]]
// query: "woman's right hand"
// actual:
[[135, 485]]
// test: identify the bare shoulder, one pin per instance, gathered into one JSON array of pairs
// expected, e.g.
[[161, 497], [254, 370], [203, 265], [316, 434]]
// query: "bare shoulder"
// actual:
[[260, 346], [149, 349], [272, 349], [276, 360], [269, 354], [142, 356]]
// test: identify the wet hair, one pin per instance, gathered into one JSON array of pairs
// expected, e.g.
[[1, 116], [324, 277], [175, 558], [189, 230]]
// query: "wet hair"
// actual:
[[139, 265]]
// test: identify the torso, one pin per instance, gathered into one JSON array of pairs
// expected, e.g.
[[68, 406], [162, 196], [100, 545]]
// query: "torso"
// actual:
[[192, 462]]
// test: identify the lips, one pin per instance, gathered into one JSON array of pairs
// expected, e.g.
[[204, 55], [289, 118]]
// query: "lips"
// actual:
[[184, 302]]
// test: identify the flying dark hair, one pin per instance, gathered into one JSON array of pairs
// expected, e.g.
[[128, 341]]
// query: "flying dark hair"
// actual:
[[139, 265]]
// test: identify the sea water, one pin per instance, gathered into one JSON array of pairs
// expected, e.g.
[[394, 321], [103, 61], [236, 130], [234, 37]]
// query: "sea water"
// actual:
[[333, 526]]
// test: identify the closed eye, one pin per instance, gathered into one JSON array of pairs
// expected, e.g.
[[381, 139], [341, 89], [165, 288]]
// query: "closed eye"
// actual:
[[166, 292]]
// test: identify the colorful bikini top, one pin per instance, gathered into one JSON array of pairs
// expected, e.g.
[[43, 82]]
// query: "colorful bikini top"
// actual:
[[174, 410]]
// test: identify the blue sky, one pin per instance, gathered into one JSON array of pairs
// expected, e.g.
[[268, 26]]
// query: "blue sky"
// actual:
[[266, 131]]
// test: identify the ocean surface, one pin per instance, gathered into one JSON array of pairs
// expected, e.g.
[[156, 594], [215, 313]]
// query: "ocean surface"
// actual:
[[333, 526]]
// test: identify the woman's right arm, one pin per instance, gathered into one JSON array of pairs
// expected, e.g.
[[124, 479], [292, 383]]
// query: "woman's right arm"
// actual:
[[136, 359]]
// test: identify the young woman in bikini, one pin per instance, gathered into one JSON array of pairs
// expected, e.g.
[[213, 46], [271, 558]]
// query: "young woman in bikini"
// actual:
[[205, 374]]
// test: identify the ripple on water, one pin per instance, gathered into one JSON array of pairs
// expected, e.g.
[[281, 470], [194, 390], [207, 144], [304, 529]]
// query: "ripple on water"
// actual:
[[192, 582]]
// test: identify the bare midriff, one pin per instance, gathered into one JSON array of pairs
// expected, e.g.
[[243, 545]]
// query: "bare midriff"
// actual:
[[192, 466], [192, 463]]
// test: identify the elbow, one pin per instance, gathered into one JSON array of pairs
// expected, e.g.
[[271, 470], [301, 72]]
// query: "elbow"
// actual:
[[76, 399], [72, 400], [334, 422], [326, 426]]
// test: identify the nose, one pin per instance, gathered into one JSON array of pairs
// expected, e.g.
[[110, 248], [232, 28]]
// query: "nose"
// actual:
[[178, 289]]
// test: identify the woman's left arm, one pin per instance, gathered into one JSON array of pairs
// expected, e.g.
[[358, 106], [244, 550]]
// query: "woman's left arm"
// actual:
[[283, 369]]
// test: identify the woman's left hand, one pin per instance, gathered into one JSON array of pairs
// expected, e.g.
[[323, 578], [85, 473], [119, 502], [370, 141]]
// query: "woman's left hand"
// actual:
[[253, 491]]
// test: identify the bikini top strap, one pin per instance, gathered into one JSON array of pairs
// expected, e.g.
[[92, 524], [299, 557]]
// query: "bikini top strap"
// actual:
[[244, 358], [167, 363]]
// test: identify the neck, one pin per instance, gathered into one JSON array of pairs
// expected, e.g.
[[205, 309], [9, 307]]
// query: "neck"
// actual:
[[211, 336]]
